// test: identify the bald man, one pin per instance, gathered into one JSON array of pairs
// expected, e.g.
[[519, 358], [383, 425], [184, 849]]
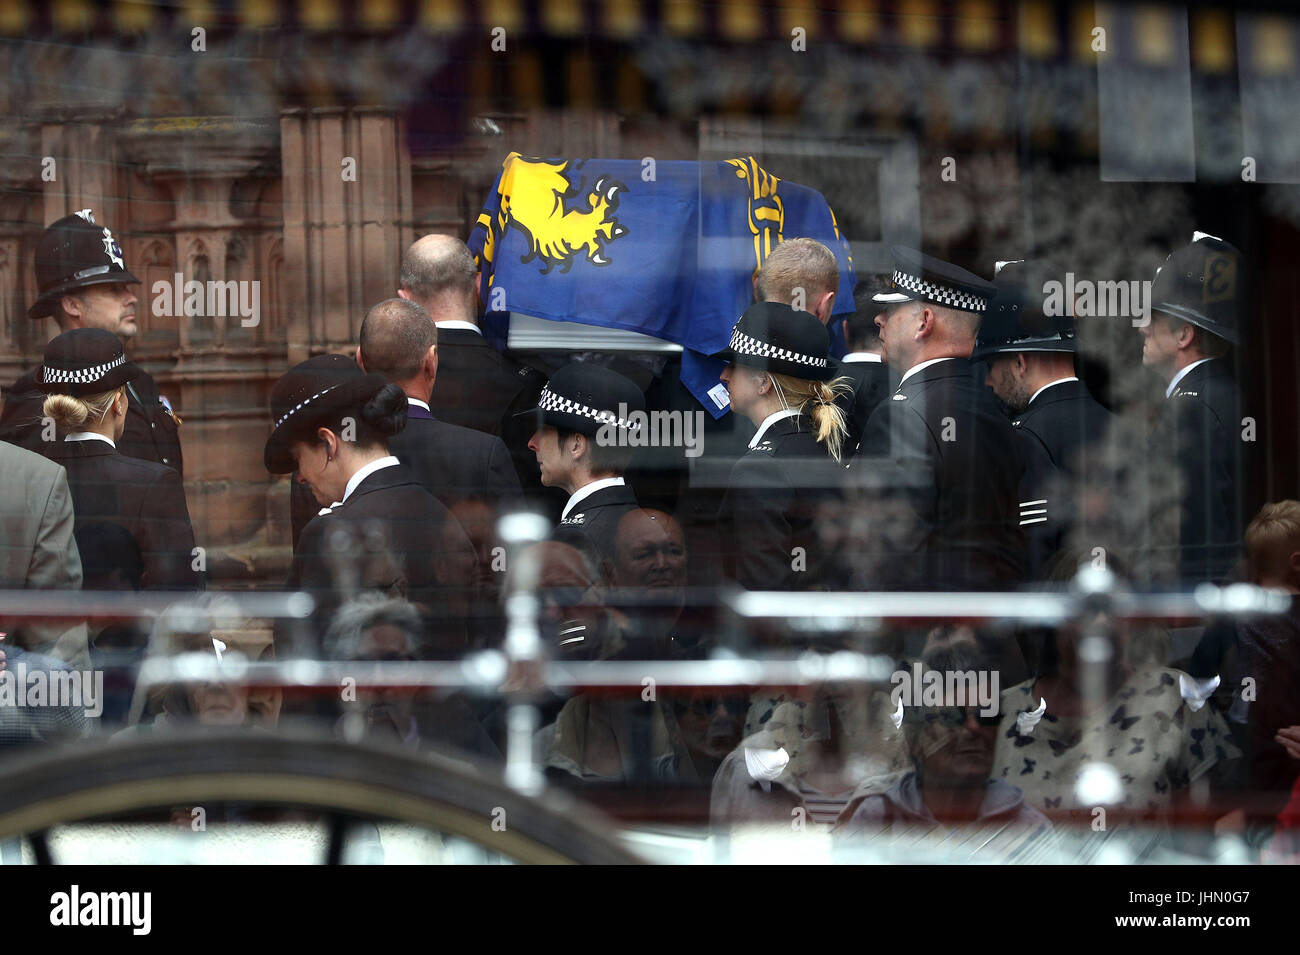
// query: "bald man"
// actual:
[[477, 385]]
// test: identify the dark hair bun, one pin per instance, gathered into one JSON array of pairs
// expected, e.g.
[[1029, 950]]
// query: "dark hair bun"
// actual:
[[385, 412]]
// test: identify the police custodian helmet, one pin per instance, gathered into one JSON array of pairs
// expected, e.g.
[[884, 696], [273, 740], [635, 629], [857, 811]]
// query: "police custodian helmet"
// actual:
[[73, 253], [1017, 318], [1202, 283]]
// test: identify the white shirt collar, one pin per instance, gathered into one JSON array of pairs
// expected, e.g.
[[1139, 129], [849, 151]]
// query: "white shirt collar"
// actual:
[[925, 364], [457, 323], [1059, 381], [88, 436], [861, 356], [1181, 375], [770, 420], [376, 465], [586, 491], [418, 403]]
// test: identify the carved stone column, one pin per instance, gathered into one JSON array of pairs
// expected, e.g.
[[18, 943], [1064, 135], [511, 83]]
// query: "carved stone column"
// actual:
[[347, 220]]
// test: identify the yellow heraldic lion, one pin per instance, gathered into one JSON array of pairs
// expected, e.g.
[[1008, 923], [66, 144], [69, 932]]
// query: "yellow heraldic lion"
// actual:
[[538, 199]]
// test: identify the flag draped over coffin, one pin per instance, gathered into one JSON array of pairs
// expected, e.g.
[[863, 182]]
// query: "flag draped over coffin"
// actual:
[[668, 249]]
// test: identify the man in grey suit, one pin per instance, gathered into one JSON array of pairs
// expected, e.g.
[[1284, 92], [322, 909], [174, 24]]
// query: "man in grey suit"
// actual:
[[38, 551]]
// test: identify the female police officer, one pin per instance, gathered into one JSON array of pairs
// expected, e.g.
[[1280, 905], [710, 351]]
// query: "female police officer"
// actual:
[[132, 524], [379, 530], [780, 379]]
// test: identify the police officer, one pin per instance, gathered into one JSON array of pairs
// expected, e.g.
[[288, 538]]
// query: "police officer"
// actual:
[[1195, 300], [1030, 358], [940, 464], [585, 419], [378, 529], [780, 378], [84, 283], [132, 525], [804, 274]]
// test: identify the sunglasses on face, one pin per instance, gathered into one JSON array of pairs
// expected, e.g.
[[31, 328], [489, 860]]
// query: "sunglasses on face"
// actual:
[[947, 715]]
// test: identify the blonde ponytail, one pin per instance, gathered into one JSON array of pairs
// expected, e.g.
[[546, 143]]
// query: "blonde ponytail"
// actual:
[[71, 413], [816, 400]]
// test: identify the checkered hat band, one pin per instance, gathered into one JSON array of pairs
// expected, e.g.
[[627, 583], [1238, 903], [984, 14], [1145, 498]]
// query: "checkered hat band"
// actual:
[[81, 376], [550, 401], [302, 404], [953, 298], [744, 344]]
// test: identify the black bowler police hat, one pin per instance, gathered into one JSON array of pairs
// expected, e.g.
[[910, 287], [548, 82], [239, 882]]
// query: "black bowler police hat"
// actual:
[[923, 278], [1017, 320], [72, 253], [776, 338], [1202, 283], [84, 361], [316, 392], [583, 397]]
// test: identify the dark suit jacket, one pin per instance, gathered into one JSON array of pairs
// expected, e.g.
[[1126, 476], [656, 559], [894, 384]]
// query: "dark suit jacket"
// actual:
[[141, 497], [393, 536], [945, 468], [774, 504], [592, 525], [1205, 414], [453, 463], [476, 383], [1063, 428], [870, 387], [151, 433]]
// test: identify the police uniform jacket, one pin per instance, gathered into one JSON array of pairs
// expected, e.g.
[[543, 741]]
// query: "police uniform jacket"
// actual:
[[1060, 428], [392, 536], [1204, 412], [773, 505], [144, 498], [944, 460], [592, 524], [150, 433]]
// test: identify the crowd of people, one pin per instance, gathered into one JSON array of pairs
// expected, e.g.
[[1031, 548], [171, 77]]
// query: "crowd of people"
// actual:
[[954, 447]]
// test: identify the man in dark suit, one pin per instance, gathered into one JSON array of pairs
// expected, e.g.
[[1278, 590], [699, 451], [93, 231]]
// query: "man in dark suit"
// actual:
[[84, 283], [1030, 358], [1195, 300], [478, 386], [582, 421], [940, 463], [400, 342], [469, 471]]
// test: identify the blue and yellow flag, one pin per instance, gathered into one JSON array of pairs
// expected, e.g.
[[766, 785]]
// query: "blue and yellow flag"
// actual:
[[668, 249]]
